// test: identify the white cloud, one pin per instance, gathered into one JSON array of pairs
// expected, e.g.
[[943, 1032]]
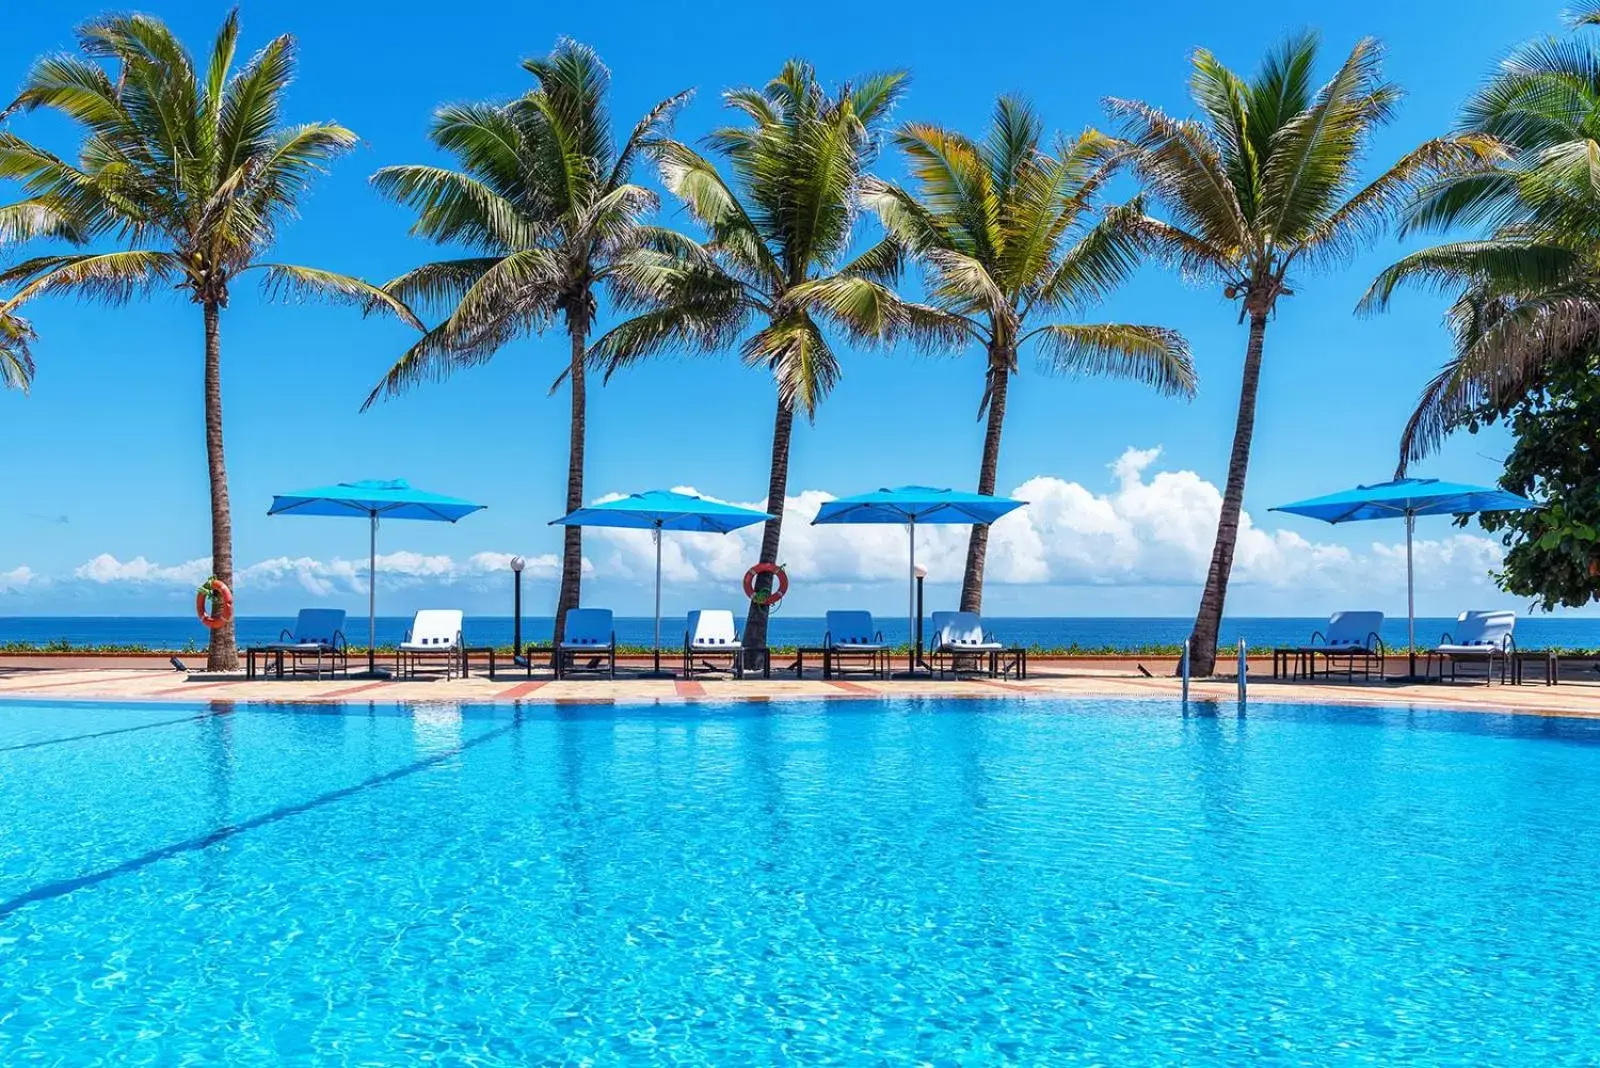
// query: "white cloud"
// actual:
[[106, 568], [16, 578], [321, 577], [1151, 528], [1145, 529]]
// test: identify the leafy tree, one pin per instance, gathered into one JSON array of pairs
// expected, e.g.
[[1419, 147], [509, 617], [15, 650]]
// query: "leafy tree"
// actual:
[[187, 170], [1266, 181], [544, 204], [781, 225], [1003, 229], [1552, 552]]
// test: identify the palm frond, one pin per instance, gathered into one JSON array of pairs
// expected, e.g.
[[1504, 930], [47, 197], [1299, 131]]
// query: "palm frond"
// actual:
[[16, 359], [1151, 355], [286, 281], [107, 277]]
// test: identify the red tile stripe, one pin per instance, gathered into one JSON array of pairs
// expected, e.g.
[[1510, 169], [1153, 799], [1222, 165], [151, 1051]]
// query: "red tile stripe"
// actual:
[[29, 687], [521, 689], [326, 695], [853, 687], [191, 687], [689, 688]]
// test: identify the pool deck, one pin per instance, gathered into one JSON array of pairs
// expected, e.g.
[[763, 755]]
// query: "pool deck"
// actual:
[[1577, 697]]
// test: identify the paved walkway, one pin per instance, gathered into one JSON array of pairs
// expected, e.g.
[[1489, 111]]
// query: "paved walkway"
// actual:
[[1571, 698]]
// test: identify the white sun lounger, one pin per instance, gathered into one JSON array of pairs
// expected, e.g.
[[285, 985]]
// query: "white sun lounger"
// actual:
[[710, 633], [1479, 636], [1350, 636], [959, 636], [589, 634], [850, 635], [434, 632]]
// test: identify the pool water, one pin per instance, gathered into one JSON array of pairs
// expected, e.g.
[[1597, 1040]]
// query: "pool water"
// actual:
[[939, 882]]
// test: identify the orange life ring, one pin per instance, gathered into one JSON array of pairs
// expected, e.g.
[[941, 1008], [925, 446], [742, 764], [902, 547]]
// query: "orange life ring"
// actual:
[[215, 591], [781, 585]]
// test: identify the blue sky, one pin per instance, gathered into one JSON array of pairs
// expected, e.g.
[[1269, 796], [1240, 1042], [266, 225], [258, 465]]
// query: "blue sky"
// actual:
[[107, 492]]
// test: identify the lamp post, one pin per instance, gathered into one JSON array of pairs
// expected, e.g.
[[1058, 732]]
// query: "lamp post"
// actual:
[[921, 573], [517, 564]]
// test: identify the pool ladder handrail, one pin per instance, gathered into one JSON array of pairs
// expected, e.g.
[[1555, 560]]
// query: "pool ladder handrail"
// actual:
[[1183, 670], [1244, 674]]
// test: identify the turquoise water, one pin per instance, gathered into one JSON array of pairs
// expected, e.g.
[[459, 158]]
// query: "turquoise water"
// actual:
[[1095, 883]]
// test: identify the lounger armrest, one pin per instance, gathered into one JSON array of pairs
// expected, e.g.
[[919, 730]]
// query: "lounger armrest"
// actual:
[[339, 641], [827, 639], [1446, 639], [1315, 635], [1375, 643], [285, 635], [877, 637]]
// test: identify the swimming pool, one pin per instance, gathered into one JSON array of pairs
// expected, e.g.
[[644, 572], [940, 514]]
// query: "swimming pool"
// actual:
[[883, 882]]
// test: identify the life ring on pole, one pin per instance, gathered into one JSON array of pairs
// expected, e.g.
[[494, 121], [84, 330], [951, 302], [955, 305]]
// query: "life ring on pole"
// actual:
[[213, 603], [767, 599]]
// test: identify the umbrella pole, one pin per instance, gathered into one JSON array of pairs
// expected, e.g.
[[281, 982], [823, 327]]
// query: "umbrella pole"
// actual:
[[1411, 598], [911, 602], [657, 533], [372, 598]]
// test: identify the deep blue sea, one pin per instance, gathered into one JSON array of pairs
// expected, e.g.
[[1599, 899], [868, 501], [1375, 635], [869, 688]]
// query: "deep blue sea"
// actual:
[[179, 633], [905, 882]]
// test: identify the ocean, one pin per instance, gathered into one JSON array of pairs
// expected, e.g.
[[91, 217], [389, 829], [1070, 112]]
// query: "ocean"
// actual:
[[179, 633]]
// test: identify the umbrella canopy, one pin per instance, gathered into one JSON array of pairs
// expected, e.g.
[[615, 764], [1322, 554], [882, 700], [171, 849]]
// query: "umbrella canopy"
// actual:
[[373, 499], [664, 510], [912, 505], [916, 504], [658, 510], [1407, 498], [388, 499]]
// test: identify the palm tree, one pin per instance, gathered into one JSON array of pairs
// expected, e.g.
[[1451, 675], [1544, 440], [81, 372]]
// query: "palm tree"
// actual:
[[1267, 180], [781, 224], [189, 173], [1527, 296], [544, 205], [1002, 229]]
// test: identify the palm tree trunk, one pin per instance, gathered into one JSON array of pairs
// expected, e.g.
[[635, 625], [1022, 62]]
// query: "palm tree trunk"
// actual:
[[1203, 640], [978, 542], [755, 627], [223, 654], [572, 537]]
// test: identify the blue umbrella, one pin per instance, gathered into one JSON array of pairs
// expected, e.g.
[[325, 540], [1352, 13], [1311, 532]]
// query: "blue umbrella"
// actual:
[[373, 499], [912, 505], [1408, 498], [658, 510]]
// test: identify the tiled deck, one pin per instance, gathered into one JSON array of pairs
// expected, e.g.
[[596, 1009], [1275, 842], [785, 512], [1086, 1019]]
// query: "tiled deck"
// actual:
[[1574, 697]]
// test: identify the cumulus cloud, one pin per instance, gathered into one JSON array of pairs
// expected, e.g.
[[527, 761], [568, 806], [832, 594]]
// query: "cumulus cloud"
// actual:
[[320, 577], [105, 569], [1150, 528], [16, 578], [1144, 528]]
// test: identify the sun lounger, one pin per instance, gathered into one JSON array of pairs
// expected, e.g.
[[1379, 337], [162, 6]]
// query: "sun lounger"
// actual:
[[851, 636], [959, 638], [1479, 637], [589, 635], [710, 634], [434, 633], [1350, 636], [317, 634]]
